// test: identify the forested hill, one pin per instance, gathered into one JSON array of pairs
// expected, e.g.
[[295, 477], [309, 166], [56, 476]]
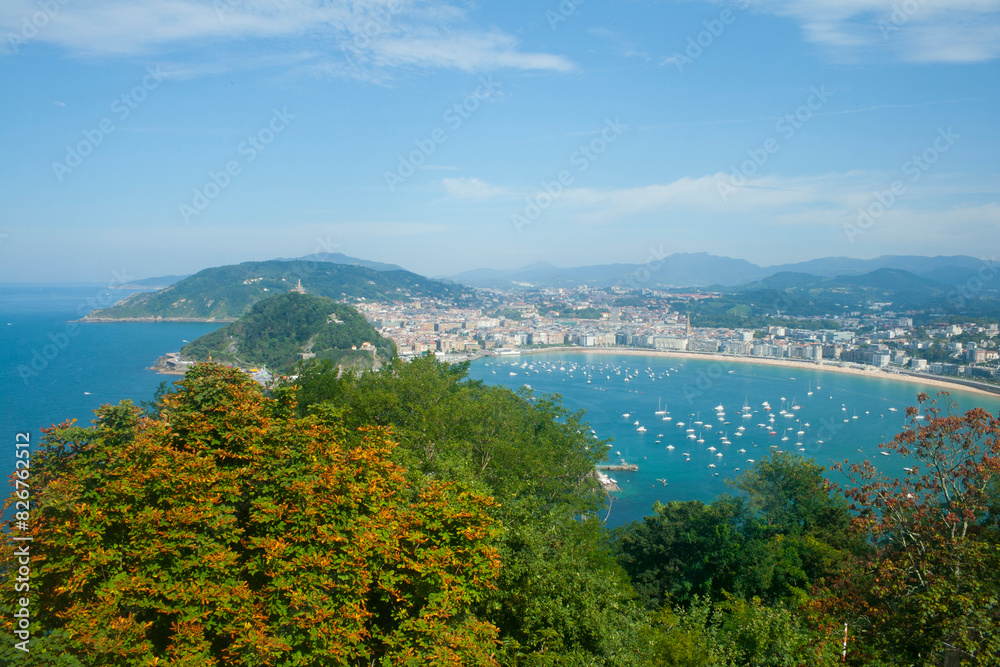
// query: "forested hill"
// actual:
[[800, 295], [227, 292], [278, 331]]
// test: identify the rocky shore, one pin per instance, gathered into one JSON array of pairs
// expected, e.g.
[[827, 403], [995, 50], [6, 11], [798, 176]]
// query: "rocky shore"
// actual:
[[171, 364]]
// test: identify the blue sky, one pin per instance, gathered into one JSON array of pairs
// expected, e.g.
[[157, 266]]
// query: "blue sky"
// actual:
[[171, 135]]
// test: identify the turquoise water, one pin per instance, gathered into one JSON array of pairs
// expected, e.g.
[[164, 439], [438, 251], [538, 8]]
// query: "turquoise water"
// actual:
[[845, 416], [52, 370]]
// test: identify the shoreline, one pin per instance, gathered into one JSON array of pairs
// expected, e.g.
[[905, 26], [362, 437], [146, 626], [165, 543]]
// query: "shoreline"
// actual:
[[874, 373], [170, 364]]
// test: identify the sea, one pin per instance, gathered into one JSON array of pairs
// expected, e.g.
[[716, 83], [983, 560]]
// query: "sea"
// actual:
[[54, 369], [691, 425]]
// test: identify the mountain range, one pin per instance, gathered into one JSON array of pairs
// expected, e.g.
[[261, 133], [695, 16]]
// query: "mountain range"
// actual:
[[684, 270], [679, 270]]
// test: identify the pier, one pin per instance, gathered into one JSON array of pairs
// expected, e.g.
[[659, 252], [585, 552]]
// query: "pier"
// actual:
[[627, 467]]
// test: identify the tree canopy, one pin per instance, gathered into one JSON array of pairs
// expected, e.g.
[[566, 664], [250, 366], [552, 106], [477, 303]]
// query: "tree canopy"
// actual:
[[278, 330], [561, 597], [929, 586], [229, 531]]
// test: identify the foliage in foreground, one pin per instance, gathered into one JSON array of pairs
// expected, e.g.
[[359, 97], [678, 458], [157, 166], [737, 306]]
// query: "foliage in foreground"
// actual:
[[737, 632], [412, 516], [784, 534], [561, 598], [231, 532], [930, 585]]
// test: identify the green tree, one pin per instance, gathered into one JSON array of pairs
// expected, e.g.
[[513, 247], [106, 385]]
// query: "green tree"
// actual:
[[790, 494], [228, 531], [737, 632], [278, 330], [803, 520], [783, 535], [687, 549], [690, 637], [561, 598]]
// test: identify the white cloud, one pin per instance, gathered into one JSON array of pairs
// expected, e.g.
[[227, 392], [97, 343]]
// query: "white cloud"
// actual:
[[705, 195], [463, 51], [360, 39], [949, 31], [228, 64], [936, 205], [472, 188]]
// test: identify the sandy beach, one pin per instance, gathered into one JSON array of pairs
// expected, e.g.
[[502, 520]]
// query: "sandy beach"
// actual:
[[833, 366]]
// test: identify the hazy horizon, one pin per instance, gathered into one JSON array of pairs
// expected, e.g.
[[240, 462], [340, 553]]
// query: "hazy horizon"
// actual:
[[119, 277]]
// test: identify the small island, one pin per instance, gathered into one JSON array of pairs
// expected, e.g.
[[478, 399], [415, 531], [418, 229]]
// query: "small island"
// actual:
[[281, 331]]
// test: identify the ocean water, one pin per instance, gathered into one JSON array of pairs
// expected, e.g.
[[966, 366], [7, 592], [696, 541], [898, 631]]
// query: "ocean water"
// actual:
[[52, 369], [831, 416]]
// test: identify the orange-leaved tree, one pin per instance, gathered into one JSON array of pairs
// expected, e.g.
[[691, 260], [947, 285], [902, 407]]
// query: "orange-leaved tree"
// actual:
[[929, 588], [224, 530]]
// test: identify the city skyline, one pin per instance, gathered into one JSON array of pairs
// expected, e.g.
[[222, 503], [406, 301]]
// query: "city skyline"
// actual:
[[446, 137]]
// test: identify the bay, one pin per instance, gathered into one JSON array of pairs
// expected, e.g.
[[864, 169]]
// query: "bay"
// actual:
[[845, 417]]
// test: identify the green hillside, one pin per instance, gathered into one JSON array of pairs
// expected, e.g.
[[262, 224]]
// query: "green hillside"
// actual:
[[227, 292], [278, 330], [800, 295]]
